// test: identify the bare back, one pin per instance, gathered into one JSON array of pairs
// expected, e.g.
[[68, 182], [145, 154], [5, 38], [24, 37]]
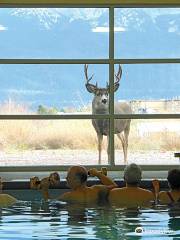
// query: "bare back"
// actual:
[[172, 198], [94, 194], [130, 196]]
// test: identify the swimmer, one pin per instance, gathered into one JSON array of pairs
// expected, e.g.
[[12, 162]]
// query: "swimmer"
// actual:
[[131, 195], [80, 192], [44, 184], [6, 199], [173, 195]]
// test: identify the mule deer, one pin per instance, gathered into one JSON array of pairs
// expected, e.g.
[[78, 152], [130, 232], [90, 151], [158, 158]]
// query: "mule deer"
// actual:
[[100, 105]]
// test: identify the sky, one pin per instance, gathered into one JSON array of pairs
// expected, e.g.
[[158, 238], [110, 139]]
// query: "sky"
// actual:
[[83, 33]]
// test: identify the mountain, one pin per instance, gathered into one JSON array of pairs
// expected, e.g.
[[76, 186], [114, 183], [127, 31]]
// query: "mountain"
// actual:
[[70, 33]]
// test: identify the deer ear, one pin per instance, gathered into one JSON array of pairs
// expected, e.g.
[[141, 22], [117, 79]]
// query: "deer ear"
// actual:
[[91, 88], [116, 86]]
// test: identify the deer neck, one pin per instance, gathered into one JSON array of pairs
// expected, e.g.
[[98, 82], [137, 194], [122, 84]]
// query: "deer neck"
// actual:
[[96, 109]]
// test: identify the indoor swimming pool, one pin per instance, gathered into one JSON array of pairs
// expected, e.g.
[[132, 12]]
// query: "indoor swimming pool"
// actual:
[[36, 219]]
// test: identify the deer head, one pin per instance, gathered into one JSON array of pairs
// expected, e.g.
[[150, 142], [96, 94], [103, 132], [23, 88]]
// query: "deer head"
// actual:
[[101, 95]]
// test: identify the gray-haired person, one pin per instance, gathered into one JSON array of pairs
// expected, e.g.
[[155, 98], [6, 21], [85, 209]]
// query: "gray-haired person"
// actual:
[[131, 195]]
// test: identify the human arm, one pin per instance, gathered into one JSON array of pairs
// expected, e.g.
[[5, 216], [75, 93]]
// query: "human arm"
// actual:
[[67, 197], [5, 199], [156, 187], [163, 197], [44, 184], [105, 180]]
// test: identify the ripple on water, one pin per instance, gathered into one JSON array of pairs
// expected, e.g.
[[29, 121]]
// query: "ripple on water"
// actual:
[[57, 220]]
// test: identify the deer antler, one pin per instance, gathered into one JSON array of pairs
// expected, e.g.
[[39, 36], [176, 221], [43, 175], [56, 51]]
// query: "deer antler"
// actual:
[[118, 78], [119, 74], [90, 87], [86, 73]]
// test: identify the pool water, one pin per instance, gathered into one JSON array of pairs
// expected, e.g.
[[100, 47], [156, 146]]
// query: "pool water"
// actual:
[[58, 220]]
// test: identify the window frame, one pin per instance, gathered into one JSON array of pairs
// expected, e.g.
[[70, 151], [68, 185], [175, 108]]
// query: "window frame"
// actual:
[[111, 61]]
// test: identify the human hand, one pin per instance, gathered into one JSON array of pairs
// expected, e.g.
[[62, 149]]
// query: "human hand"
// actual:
[[54, 178], [93, 172], [35, 183], [45, 183]]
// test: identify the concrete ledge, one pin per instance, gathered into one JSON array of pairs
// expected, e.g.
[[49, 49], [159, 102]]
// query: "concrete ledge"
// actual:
[[25, 185]]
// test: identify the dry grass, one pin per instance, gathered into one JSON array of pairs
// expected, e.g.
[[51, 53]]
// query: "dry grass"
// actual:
[[70, 134]]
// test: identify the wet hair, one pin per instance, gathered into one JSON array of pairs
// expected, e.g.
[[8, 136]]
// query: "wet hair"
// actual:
[[55, 175], [82, 176], [174, 178], [132, 174]]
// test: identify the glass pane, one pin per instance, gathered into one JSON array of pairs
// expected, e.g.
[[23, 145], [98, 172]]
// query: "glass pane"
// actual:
[[151, 141], [54, 33], [152, 88], [49, 142], [147, 33], [50, 89]]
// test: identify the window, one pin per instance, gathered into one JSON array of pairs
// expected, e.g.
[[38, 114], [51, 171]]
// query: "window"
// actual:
[[46, 110]]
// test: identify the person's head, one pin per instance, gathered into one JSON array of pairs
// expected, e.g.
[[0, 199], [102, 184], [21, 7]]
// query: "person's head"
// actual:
[[174, 179], [54, 178], [76, 177], [132, 174]]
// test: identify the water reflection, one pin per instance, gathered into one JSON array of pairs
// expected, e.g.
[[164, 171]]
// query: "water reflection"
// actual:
[[58, 220], [174, 220]]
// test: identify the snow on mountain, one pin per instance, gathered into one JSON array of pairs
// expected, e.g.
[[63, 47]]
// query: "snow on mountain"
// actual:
[[49, 16], [128, 18], [46, 16]]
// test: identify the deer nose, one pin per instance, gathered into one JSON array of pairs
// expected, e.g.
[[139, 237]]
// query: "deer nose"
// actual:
[[104, 101]]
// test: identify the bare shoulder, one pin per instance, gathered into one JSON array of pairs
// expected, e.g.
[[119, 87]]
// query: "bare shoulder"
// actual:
[[99, 188], [116, 194], [162, 195], [117, 191], [65, 196], [146, 192], [6, 199]]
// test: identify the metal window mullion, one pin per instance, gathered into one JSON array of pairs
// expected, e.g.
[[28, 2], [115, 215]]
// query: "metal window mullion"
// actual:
[[54, 61], [93, 61], [148, 116], [97, 4], [147, 5], [111, 161], [53, 5], [147, 61], [88, 116], [49, 168], [53, 117]]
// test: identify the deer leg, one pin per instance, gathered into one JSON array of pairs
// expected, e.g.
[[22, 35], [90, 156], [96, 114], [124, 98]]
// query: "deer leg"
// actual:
[[108, 150], [100, 139], [122, 139], [126, 135]]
